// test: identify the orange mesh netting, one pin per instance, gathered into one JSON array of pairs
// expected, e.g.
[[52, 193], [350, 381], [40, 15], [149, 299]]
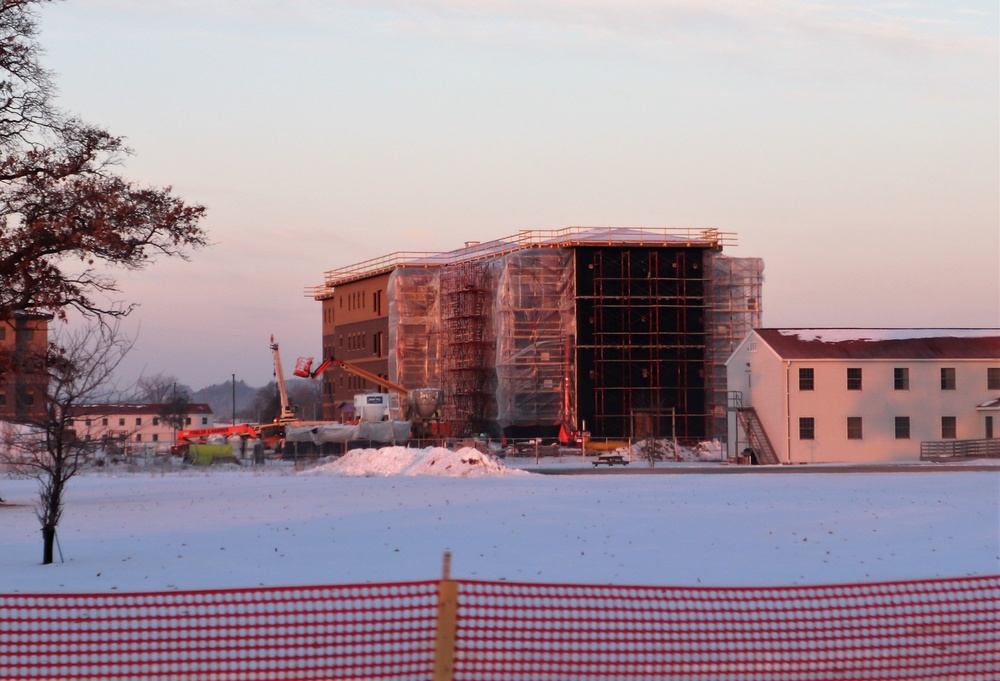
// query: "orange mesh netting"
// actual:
[[936, 629]]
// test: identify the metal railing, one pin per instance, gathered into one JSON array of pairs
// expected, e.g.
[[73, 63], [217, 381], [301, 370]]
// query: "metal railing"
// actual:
[[524, 239], [960, 449]]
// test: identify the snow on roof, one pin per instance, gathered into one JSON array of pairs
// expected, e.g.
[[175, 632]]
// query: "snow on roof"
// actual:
[[883, 343], [842, 335], [108, 409]]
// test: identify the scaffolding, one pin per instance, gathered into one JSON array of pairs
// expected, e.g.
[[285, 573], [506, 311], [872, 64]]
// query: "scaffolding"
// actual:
[[641, 340], [467, 294], [414, 328], [735, 309], [536, 332]]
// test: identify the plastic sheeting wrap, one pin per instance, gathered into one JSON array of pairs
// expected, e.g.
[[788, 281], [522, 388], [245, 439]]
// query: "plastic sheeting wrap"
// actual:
[[535, 319], [321, 433], [735, 301], [414, 328]]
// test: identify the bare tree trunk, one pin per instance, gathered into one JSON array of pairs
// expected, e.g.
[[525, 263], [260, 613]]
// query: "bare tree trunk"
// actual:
[[48, 542]]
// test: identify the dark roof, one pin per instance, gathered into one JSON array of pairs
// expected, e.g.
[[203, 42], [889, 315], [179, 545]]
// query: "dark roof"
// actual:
[[152, 409], [883, 343]]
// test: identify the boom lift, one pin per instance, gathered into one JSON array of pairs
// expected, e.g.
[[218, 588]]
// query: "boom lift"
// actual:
[[367, 375], [287, 414]]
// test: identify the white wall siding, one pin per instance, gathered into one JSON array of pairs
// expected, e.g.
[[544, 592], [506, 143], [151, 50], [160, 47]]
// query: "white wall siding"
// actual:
[[773, 390]]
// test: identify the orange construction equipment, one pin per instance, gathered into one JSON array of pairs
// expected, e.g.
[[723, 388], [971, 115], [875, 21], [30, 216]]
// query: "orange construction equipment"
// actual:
[[200, 435], [367, 375]]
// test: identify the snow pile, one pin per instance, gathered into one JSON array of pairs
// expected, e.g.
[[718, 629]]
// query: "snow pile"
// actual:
[[467, 462], [666, 450]]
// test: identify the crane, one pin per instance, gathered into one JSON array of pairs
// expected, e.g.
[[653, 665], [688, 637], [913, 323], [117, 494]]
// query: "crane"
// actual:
[[367, 375], [287, 415]]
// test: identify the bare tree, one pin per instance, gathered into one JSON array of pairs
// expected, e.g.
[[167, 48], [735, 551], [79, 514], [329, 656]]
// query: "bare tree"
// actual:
[[156, 389], [79, 367], [267, 403], [306, 396], [66, 218], [176, 407]]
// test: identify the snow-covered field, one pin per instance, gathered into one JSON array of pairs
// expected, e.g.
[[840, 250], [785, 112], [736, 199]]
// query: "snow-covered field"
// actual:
[[389, 515]]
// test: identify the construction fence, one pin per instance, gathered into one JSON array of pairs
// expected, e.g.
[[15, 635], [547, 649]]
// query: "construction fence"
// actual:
[[500, 631]]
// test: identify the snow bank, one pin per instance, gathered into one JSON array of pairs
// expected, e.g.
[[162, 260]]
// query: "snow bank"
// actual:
[[464, 463]]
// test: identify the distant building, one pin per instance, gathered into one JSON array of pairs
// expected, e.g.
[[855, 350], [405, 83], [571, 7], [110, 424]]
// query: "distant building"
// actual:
[[861, 395], [135, 426], [622, 332], [23, 342]]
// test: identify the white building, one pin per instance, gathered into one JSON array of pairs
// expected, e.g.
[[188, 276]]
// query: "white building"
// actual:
[[135, 426], [863, 395]]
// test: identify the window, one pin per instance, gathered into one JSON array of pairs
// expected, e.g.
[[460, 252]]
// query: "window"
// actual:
[[901, 378], [993, 378], [187, 420], [854, 378], [989, 427], [902, 427], [121, 422], [86, 422], [948, 428], [947, 378], [156, 420], [204, 420], [138, 420], [853, 427], [138, 437], [806, 379], [807, 428], [3, 398], [156, 437], [104, 422]]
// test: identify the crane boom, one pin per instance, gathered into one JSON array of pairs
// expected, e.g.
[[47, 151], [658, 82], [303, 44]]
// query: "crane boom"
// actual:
[[367, 375], [286, 411]]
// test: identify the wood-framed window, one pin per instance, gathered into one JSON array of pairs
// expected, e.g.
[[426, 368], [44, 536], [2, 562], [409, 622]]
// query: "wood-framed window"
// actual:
[[949, 428], [807, 428], [947, 378]]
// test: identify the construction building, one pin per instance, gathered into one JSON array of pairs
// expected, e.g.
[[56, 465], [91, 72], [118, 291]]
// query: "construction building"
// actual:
[[619, 332]]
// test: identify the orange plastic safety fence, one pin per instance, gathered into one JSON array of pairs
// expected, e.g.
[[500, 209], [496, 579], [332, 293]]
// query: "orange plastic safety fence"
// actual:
[[939, 629], [947, 629], [384, 631]]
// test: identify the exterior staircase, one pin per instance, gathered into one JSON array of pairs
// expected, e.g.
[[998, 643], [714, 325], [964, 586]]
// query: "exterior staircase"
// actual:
[[749, 422]]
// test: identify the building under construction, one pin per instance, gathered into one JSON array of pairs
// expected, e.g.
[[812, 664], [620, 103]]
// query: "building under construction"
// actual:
[[619, 332]]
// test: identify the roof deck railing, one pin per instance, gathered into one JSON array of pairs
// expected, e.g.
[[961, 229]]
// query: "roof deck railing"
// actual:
[[525, 239]]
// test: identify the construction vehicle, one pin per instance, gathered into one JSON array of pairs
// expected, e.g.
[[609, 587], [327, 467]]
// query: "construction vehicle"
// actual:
[[195, 436], [287, 414]]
